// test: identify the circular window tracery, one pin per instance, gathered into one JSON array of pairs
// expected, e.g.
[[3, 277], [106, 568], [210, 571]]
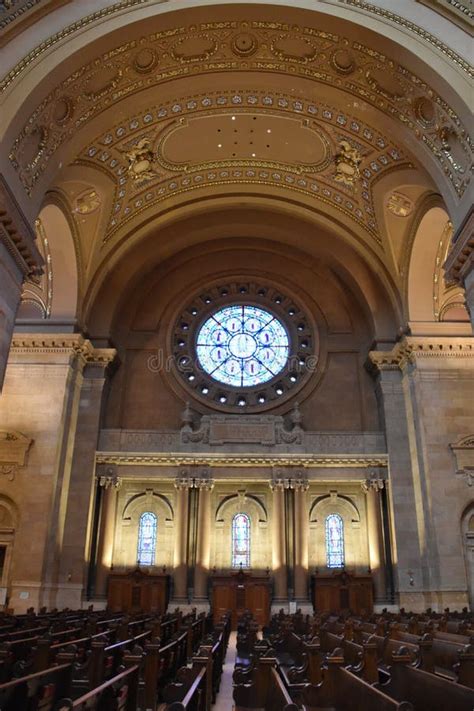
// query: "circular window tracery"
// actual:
[[247, 374], [242, 346]]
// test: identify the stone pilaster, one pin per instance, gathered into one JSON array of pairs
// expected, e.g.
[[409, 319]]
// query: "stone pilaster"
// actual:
[[278, 539], [301, 540], [77, 499], [425, 387], [40, 399], [372, 488], [19, 258], [180, 562], [110, 484], [203, 547]]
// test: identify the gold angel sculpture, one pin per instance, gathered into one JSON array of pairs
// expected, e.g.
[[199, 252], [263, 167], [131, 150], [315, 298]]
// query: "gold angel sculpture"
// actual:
[[348, 160], [140, 161]]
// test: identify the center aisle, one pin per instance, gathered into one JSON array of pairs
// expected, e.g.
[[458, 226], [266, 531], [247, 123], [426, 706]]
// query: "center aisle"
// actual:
[[225, 701]]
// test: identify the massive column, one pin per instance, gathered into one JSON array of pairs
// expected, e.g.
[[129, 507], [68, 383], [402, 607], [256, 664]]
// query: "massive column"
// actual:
[[203, 547], [75, 549], [278, 538], [300, 487], [110, 484], [372, 488], [180, 563]]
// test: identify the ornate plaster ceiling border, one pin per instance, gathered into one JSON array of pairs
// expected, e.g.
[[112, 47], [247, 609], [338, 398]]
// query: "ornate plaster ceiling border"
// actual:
[[84, 22], [371, 76], [240, 460], [380, 155]]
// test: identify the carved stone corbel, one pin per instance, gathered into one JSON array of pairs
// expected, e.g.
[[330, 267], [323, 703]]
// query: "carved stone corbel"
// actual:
[[14, 448], [463, 451]]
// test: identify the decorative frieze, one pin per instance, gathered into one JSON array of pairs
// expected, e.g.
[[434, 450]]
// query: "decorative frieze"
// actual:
[[240, 460], [411, 349]]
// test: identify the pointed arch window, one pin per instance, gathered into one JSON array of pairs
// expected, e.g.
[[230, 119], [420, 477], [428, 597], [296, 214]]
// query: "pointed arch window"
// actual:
[[334, 541], [241, 541], [147, 527]]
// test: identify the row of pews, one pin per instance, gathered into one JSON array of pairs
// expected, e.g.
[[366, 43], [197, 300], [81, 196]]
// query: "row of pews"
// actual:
[[107, 662], [382, 663]]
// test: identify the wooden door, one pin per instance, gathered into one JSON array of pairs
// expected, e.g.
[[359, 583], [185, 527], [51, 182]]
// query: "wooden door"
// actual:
[[224, 599], [258, 602]]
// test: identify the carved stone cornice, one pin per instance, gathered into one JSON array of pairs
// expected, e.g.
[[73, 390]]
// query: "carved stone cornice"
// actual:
[[412, 348], [73, 345], [239, 460], [16, 234]]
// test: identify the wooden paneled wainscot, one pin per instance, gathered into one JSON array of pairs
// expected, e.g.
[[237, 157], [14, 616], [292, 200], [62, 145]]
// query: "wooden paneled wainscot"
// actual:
[[137, 591], [240, 592], [343, 591]]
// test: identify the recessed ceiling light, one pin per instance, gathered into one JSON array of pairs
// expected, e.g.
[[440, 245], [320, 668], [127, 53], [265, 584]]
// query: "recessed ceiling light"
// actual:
[[219, 145], [233, 118], [269, 130], [253, 155]]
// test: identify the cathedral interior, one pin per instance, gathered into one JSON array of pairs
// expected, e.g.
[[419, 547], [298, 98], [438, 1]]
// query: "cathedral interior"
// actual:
[[236, 303]]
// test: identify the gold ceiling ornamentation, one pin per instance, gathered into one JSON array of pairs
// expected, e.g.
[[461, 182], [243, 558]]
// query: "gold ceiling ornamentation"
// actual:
[[347, 161], [307, 53], [87, 202], [141, 159], [379, 154], [399, 204]]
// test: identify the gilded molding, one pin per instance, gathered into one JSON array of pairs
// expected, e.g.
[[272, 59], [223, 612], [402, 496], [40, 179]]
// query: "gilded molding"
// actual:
[[240, 460], [126, 4], [453, 155], [416, 29]]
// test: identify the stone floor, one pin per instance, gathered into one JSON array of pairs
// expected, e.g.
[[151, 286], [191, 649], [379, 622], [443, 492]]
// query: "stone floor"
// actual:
[[224, 701]]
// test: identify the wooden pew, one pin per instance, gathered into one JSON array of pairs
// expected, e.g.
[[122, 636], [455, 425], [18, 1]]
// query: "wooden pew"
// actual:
[[426, 691], [117, 694], [342, 690], [39, 691], [266, 693]]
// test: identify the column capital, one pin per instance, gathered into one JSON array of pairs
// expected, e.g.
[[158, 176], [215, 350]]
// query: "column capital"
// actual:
[[411, 349], [64, 347]]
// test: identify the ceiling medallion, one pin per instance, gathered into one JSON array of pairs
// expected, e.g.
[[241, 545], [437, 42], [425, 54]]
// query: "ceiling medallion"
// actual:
[[63, 110], [244, 44], [343, 61], [243, 346], [400, 205], [145, 60], [424, 111]]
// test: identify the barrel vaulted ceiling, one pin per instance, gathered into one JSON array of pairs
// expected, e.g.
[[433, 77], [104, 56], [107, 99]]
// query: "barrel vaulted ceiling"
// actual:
[[251, 100]]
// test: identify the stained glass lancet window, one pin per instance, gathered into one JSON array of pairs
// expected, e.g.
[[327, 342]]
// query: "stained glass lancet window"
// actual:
[[147, 538], [242, 346], [334, 541], [241, 541]]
